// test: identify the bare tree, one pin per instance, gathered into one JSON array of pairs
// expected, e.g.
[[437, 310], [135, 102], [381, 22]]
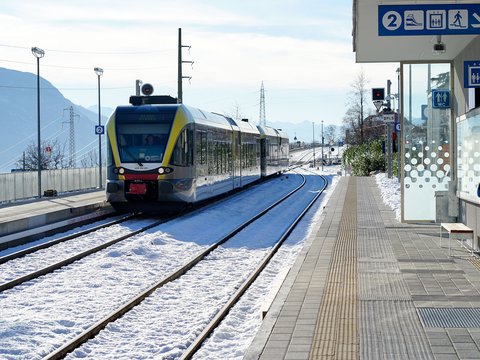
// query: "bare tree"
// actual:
[[330, 134], [90, 159], [357, 108], [236, 112], [52, 156]]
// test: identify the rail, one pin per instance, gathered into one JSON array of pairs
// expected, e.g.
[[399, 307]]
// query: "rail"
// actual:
[[100, 325]]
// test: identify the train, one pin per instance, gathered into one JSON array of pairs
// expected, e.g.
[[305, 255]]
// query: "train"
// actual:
[[165, 156]]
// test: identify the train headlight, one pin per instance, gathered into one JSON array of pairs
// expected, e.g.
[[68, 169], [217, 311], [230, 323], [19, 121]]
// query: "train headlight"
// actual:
[[164, 170], [121, 171]]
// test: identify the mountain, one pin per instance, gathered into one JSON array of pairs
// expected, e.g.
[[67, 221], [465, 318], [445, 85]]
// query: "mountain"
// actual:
[[18, 117], [106, 111]]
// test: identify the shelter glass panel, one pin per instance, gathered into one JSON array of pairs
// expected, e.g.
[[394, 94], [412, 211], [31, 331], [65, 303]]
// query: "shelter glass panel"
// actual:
[[426, 138]]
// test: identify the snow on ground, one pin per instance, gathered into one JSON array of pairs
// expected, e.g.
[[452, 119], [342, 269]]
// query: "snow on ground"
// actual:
[[29, 329], [390, 189]]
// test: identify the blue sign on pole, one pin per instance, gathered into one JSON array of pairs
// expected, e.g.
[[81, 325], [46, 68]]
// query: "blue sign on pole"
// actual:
[[397, 127], [431, 19], [440, 99], [424, 112], [471, 74], [99, 129]]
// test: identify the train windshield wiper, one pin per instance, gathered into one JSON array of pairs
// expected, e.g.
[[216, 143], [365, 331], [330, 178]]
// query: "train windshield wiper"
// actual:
[[132, 156]]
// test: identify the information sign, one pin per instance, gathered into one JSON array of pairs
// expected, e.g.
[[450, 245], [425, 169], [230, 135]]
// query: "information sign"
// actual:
[[99, 129], [471, 74], [428, 19], [440, 99], [389, 118]]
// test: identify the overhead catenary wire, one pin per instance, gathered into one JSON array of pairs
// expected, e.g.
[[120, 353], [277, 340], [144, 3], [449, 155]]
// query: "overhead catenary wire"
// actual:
[[89, 52], [87, 68]]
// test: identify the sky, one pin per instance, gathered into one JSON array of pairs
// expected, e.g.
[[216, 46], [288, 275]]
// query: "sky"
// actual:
[[301, 50]]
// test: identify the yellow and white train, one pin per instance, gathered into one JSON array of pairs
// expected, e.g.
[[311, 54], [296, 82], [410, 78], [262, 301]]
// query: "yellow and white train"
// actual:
[[163, 156]]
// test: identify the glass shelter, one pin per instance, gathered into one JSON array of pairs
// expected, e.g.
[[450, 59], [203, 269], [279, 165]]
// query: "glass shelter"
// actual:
[[426, 130]]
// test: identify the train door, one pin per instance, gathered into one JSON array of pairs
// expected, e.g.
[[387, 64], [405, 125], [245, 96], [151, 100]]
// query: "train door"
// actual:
[[237, 159]]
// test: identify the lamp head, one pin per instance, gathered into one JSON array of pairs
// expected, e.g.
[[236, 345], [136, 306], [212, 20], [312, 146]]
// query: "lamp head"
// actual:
[[37, 52], [98, 71]]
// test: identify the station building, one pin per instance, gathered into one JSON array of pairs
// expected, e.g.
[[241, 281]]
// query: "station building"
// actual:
[[437, 46]]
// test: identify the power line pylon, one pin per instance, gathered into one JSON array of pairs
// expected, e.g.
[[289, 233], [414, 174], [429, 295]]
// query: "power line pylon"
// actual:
[[72, 159], [262, 120]]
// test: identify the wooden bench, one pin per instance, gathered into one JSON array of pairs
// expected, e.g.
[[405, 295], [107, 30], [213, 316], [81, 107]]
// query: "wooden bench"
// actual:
[[457, 231]]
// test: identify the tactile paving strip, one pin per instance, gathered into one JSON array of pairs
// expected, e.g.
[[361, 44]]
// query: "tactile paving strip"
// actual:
[[382, 286], [336, 331], [450, 317], [389, 327], [391, 330]]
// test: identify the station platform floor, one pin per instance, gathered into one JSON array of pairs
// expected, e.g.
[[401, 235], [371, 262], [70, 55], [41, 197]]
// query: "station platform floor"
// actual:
[[30, 219], [368, 287]]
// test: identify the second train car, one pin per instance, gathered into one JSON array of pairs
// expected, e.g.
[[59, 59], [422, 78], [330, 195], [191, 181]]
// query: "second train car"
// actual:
[[163, 156]]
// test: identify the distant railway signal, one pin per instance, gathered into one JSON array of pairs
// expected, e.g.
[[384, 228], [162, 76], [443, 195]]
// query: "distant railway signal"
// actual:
[[378, 94]]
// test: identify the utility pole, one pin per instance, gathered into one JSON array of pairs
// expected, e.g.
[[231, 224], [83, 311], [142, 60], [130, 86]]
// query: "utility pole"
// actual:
[[322, 144], [389, 134], [262, 120], [72, 155], [313, 142], [180, 63]]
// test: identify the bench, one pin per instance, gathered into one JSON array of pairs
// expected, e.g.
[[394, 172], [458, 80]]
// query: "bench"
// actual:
[[457, 231]]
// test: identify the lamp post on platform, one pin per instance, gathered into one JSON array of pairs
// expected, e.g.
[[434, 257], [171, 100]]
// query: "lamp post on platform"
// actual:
[[99, 72], [313, 143], [322, 145], [38, 53]]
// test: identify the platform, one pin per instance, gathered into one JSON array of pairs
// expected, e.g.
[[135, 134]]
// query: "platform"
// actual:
[[368, 287], [36, 217]]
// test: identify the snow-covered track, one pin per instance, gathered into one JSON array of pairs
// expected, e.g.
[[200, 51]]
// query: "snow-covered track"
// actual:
[[193, 348], [32, 249], [93, 330], [67, 261]]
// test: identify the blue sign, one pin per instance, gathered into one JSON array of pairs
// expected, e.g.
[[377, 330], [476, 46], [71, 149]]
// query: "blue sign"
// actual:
[[424, 112], [471, 74], [440, 99], [397, 127], [99, 129], [431, 19]]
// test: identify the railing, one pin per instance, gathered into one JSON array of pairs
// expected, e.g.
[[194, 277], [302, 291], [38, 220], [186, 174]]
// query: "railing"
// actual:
[[23, 184]]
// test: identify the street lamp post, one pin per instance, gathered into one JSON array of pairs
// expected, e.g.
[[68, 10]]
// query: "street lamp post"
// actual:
[[99, 72], [322, 145], [313, 143], [38, 53]]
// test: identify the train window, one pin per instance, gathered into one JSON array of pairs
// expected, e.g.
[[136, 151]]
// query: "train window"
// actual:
[[183, 151], [201, 147], [142, 134]]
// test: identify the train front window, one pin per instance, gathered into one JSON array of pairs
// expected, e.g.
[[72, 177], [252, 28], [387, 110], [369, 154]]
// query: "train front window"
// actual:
[[142, 134]]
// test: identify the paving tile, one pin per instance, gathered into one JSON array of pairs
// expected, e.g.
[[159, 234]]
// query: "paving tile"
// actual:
[[392, 330]]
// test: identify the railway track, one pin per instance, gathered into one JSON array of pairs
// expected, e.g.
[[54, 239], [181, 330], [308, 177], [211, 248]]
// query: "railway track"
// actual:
[[64, 261], [58, 264], [32, 249], [222, 314], [95, 329]]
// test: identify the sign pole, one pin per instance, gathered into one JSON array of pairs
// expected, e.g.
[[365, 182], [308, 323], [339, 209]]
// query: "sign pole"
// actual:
[[389, 133], [389, 150]]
